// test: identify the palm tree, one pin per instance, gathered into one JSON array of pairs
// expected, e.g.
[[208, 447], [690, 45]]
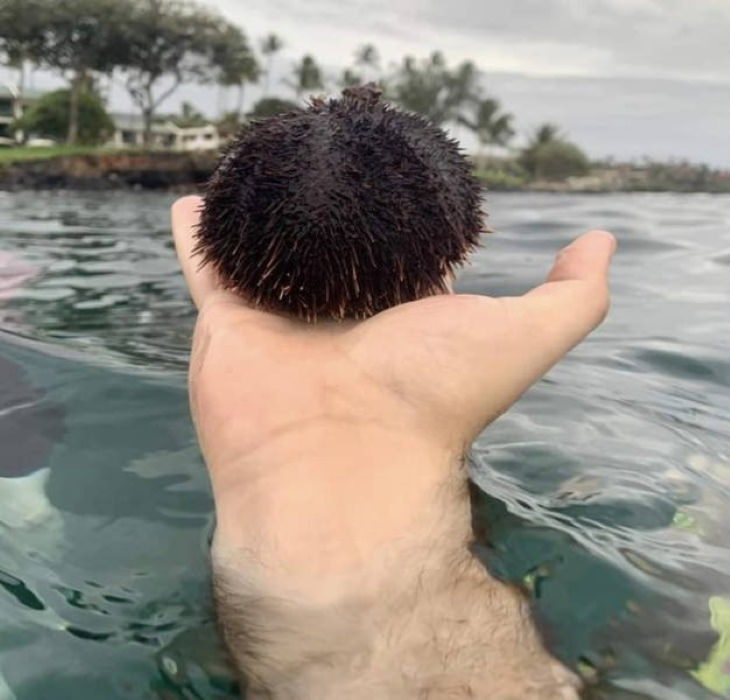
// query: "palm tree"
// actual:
[[23, 41], [235, 63], [462, 92], [419, 86], [549, 155], [250, 73], [545, 133], [270, 45], [349, 78], [490, 125], [430, 88], [367, 59], [307, 76]]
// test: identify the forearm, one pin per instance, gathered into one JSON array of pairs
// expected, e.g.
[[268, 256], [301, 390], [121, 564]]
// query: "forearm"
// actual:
[[424, 614], [467, 636]]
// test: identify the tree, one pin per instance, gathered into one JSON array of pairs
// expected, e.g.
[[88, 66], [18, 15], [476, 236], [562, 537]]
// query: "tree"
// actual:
[[489, 124], [367, 59], [50, 116], [170, 42], [349, 78], [270, 46], [234, 60], [189, 117], [546, 133], [559, 160], [462, 88], [229, 124], [549, 156], [270, 107], [83, 37], [307, 76], [429, 88], [22, 40]]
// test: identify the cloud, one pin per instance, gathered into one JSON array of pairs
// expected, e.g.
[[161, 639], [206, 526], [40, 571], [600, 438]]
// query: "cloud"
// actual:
[[627, 118], [645, 38], [623, 77]]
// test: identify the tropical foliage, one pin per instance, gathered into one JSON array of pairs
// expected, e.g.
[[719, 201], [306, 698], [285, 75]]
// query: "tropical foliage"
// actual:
[[153, 47], [270, 107], [549, 156], [49, 117]]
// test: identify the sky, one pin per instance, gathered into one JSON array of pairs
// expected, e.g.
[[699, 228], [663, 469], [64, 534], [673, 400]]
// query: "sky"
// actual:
[[623, 78]]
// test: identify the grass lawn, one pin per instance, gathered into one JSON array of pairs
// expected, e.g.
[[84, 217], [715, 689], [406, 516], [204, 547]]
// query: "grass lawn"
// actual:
[[8, 156]]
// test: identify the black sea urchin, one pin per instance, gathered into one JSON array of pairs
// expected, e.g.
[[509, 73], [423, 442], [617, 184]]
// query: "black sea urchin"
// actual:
[[342, 209]]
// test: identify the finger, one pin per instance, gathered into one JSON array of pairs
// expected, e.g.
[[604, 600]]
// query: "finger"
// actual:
[[201, 279], [575, 297], [587, 258], [508, 343], [185, 217]]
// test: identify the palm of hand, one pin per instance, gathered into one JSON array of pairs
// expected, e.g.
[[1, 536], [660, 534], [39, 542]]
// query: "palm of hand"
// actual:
[[417, 382]]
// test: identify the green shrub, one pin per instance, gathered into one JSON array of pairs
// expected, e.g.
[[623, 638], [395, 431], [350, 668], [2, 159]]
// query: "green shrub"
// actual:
[[49, 118], [270, 107], [555, 160], [501, 179]]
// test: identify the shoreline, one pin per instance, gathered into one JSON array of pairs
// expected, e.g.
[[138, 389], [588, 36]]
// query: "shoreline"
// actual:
[[110, 170], [105, 170]]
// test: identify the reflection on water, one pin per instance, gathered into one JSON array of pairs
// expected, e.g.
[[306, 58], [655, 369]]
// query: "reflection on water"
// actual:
[[609, 483]]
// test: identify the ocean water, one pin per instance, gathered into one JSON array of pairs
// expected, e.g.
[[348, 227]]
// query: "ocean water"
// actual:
[[605, 490]]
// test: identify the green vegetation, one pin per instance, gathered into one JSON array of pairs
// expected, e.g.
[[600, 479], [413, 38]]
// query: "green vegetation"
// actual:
[[270, 46], [680, 177], [10, 156], [558, 161], [80, 38], [271, 106], [549, 156], [50, 117], [501, 173], [154, 47], [490, 126], [170, 43], [714, 674], [189, 117], [307, 77], [509, 174]]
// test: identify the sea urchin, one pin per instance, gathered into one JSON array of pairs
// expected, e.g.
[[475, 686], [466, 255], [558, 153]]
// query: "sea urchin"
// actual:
[[339, 210]]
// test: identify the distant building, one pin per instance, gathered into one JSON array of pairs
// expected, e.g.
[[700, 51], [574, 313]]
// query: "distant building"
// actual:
[[129, 133], [12, 108]]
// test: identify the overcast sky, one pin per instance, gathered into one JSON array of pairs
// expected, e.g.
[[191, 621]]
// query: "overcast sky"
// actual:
[[622, 77]]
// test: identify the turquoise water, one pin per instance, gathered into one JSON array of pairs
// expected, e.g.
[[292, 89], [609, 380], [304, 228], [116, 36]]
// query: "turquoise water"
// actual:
[[609, 481]]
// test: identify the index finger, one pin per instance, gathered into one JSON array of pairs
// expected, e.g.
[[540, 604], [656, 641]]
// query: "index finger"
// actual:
[[202, 280], [185, 217]]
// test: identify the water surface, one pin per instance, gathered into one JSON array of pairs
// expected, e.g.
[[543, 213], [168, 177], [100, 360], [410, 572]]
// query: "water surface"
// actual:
[[608, 483]]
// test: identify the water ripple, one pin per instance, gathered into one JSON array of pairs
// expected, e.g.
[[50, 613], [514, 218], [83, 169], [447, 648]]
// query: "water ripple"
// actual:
[[605, 491]]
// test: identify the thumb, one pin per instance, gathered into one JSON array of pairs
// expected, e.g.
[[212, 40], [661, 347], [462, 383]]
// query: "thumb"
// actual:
[[587, 258], [575, 297]]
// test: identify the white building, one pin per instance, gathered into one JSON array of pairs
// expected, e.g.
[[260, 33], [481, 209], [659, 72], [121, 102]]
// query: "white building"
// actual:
[[129, 133], [12, 108]]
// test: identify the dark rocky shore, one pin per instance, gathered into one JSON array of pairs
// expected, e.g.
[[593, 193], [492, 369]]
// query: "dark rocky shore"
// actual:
[[106, 171], [183, 172]]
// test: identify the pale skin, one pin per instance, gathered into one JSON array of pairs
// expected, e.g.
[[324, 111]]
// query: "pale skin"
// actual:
[[330, 446]]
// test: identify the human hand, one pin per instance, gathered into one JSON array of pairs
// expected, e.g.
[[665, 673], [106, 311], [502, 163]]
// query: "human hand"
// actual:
[[460, 360], [331, 449]]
